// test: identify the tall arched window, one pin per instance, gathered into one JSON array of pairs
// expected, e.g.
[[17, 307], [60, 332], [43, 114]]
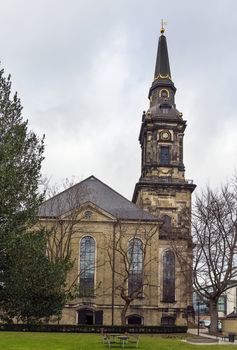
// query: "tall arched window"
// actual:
[[168, 277], [135, 259], [87, 266]]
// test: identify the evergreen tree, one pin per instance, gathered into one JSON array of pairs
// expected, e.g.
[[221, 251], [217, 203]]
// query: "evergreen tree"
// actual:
[[31, 286], [35, 286], [21, 155]]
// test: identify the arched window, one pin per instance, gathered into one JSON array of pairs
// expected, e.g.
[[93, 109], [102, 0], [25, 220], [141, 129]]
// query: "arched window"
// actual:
[[90, 316], [166, 225], [168, 320], [135, 259], [168, 277], [134, 319], [87, 266]]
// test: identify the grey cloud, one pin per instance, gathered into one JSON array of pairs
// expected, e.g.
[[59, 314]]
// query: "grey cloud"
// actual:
[[83, 70]]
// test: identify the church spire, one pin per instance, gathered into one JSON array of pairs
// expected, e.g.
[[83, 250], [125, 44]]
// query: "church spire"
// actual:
[[162, 76], [161, 139], [162, 69]]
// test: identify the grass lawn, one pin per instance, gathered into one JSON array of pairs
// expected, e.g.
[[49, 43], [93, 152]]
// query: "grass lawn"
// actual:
[[70, 341]]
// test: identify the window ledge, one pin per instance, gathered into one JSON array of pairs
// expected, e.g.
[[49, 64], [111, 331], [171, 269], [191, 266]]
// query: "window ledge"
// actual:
[[168, 302]]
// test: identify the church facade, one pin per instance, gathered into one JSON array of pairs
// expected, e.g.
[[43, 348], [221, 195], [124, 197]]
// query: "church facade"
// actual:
[[132, 260]]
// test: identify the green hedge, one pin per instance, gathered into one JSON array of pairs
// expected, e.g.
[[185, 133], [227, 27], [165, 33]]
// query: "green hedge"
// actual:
[[92, 329]]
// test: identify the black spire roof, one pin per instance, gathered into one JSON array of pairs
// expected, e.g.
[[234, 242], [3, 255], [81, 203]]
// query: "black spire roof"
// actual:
[[162, 59], [162, 76]]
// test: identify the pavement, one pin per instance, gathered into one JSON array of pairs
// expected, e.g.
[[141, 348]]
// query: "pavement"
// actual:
[[204, 333]]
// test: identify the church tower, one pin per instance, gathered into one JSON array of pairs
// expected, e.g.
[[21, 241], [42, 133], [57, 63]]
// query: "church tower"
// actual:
[[162, 188]]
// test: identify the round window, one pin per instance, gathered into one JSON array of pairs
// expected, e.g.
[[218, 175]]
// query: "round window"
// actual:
[[164, 93]]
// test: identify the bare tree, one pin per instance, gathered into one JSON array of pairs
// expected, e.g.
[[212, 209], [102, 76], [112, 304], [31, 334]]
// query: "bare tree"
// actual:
[[61, 215], [215, 237], [130, 257]]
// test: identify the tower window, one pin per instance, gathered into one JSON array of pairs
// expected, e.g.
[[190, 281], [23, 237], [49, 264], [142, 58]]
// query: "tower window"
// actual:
[[164, 93], [164, 155]]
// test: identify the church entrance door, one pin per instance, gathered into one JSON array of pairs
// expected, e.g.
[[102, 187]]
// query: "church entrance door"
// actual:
[[88, 316]]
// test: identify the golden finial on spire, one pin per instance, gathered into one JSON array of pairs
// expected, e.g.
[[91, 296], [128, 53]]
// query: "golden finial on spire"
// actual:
[[162, 30]]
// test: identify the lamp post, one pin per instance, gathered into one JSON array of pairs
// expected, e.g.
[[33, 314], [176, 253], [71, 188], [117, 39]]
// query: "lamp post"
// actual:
[[198, 306], [113, 274]]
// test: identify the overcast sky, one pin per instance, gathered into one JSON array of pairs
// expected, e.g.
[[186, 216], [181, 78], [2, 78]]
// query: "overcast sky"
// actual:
[[83, 69]]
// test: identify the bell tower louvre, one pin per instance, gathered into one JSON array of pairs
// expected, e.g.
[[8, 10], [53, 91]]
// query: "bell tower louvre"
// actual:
[[162, 188]]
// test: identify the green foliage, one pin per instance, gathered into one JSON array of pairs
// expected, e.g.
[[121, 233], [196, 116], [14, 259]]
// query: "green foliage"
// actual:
[[21, 155], [31, 285], [35, 285]]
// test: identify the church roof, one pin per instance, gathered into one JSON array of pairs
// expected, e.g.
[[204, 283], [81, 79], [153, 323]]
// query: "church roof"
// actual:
[[95, 191]]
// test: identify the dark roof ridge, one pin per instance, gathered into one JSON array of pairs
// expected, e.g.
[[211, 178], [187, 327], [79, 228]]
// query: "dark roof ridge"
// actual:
[[88, 178], [130, 202], [113, 191], [67, 189], [101, 195]]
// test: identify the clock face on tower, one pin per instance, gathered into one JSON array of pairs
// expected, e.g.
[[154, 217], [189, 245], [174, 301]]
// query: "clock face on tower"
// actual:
[[165, 135]]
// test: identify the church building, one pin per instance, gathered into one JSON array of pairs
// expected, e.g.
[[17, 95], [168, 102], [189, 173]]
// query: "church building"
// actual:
[[132, 260]]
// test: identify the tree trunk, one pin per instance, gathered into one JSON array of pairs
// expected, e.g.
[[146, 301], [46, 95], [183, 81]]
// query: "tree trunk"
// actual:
[[214, 316], [123, 313]]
